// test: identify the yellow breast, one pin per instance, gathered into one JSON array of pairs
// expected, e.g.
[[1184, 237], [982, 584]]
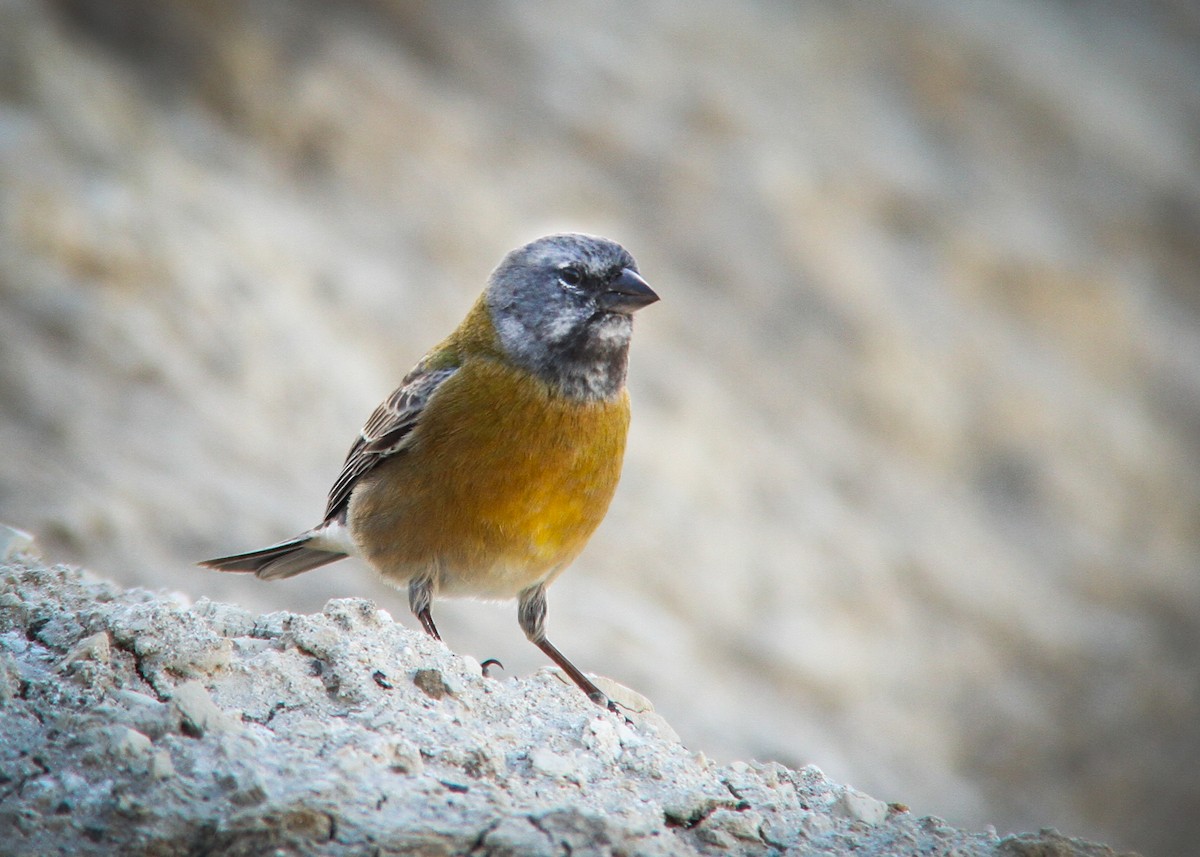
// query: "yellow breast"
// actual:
[[501, 487]]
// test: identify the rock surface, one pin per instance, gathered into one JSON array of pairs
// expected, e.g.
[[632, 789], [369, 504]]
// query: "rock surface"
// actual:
[[915, 454], [134, 724]]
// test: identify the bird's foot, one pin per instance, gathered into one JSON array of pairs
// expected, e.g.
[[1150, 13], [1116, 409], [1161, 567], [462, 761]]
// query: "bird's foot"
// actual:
[[604, 701]]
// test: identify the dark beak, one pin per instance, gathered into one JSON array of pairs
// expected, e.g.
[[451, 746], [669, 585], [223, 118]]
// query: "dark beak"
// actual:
[[627, 293]]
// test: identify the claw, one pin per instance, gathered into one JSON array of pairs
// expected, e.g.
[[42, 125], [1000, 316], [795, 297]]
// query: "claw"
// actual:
[[488, 663]]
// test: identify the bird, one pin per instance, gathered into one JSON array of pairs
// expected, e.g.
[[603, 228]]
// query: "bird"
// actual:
[[487, 470]]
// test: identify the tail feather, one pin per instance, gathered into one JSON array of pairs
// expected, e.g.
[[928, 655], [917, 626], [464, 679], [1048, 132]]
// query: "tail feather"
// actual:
[[285, 559]]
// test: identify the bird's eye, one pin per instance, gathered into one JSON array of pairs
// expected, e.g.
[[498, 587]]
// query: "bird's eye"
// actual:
[[570, 276]]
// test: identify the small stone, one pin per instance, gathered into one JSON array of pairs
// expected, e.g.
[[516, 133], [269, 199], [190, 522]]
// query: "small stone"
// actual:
[[197, 712], [550, 764], [315, 636], [745, 824], [226, 619], [691, 808], [600, 736], [716, 836], [161, 766], [477, 762], [129, 743], [403, 757], [97, 647], [271, 626], [857, 806], [352, 613], [206, 657], [432, 683]]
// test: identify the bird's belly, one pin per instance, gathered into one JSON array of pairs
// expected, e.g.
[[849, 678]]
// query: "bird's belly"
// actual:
[[489, 507]]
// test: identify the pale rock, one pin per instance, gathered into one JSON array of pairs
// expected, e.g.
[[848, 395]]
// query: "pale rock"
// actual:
[[197, 712], [129, 743], [857, 806], [524, 767], [600, 736], [551, 764]]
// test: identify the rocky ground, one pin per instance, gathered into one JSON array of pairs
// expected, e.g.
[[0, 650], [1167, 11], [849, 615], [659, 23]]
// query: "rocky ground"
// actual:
[[135, 724], [915, 455]]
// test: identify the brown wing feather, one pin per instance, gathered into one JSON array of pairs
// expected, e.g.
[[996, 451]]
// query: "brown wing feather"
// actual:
[[386, 432]]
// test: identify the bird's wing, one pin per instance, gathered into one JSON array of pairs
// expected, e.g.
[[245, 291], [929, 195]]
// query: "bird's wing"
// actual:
[[386, 433]]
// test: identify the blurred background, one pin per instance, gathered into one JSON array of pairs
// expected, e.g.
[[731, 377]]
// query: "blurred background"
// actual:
[[913, 486]]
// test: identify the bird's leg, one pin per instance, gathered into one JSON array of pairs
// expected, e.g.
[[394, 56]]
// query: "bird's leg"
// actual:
[[531, 614], [420, 594]]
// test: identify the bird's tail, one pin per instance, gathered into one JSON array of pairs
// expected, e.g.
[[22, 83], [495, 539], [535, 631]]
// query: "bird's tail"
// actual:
[[286, 559]]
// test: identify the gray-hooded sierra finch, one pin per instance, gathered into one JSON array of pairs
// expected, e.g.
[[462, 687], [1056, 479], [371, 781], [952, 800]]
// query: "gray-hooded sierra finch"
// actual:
[[487, 470]]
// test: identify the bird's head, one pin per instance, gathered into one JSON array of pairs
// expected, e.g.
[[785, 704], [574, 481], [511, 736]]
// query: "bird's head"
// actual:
[[562, 307]]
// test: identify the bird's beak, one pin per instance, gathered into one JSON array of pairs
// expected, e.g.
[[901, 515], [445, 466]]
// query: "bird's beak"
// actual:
[[627, 293]]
